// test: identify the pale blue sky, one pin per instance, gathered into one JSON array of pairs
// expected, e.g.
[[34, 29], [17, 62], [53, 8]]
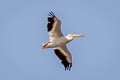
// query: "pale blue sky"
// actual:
[[23, 30]]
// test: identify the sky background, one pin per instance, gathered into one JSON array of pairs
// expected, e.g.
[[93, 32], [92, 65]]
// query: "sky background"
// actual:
[[23, 31]]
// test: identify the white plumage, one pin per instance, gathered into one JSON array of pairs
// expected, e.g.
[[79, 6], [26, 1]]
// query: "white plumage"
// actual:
[[58, 41]]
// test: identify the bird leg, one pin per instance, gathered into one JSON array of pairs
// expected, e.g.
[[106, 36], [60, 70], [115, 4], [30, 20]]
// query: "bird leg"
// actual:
[[45, 44]]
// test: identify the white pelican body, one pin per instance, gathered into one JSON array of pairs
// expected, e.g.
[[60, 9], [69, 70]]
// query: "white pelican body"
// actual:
[[58, 41]]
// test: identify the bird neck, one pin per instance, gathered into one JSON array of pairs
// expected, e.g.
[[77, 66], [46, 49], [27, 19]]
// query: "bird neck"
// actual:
[[69, 38]]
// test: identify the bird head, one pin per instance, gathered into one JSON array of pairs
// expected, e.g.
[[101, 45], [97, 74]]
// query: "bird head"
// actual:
[[71, 36]]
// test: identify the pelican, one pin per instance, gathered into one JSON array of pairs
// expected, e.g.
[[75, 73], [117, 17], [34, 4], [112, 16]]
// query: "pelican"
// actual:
[[58, 41]]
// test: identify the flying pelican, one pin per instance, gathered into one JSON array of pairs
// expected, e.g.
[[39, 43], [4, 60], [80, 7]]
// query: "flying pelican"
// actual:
[[58, 41]]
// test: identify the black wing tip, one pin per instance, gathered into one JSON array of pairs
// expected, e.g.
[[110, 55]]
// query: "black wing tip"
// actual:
[[68, 66], [50, 24], [51, 14], [50, 21]]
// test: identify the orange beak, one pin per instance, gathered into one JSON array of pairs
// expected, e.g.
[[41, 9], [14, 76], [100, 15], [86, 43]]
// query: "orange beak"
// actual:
[[77, 35]]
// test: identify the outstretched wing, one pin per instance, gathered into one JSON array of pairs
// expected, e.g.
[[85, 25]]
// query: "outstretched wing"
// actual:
[[64, 55], [54, 26]]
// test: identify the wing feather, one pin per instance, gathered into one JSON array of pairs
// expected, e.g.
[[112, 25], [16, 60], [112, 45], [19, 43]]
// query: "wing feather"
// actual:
[[64, 55], [54, 26]]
